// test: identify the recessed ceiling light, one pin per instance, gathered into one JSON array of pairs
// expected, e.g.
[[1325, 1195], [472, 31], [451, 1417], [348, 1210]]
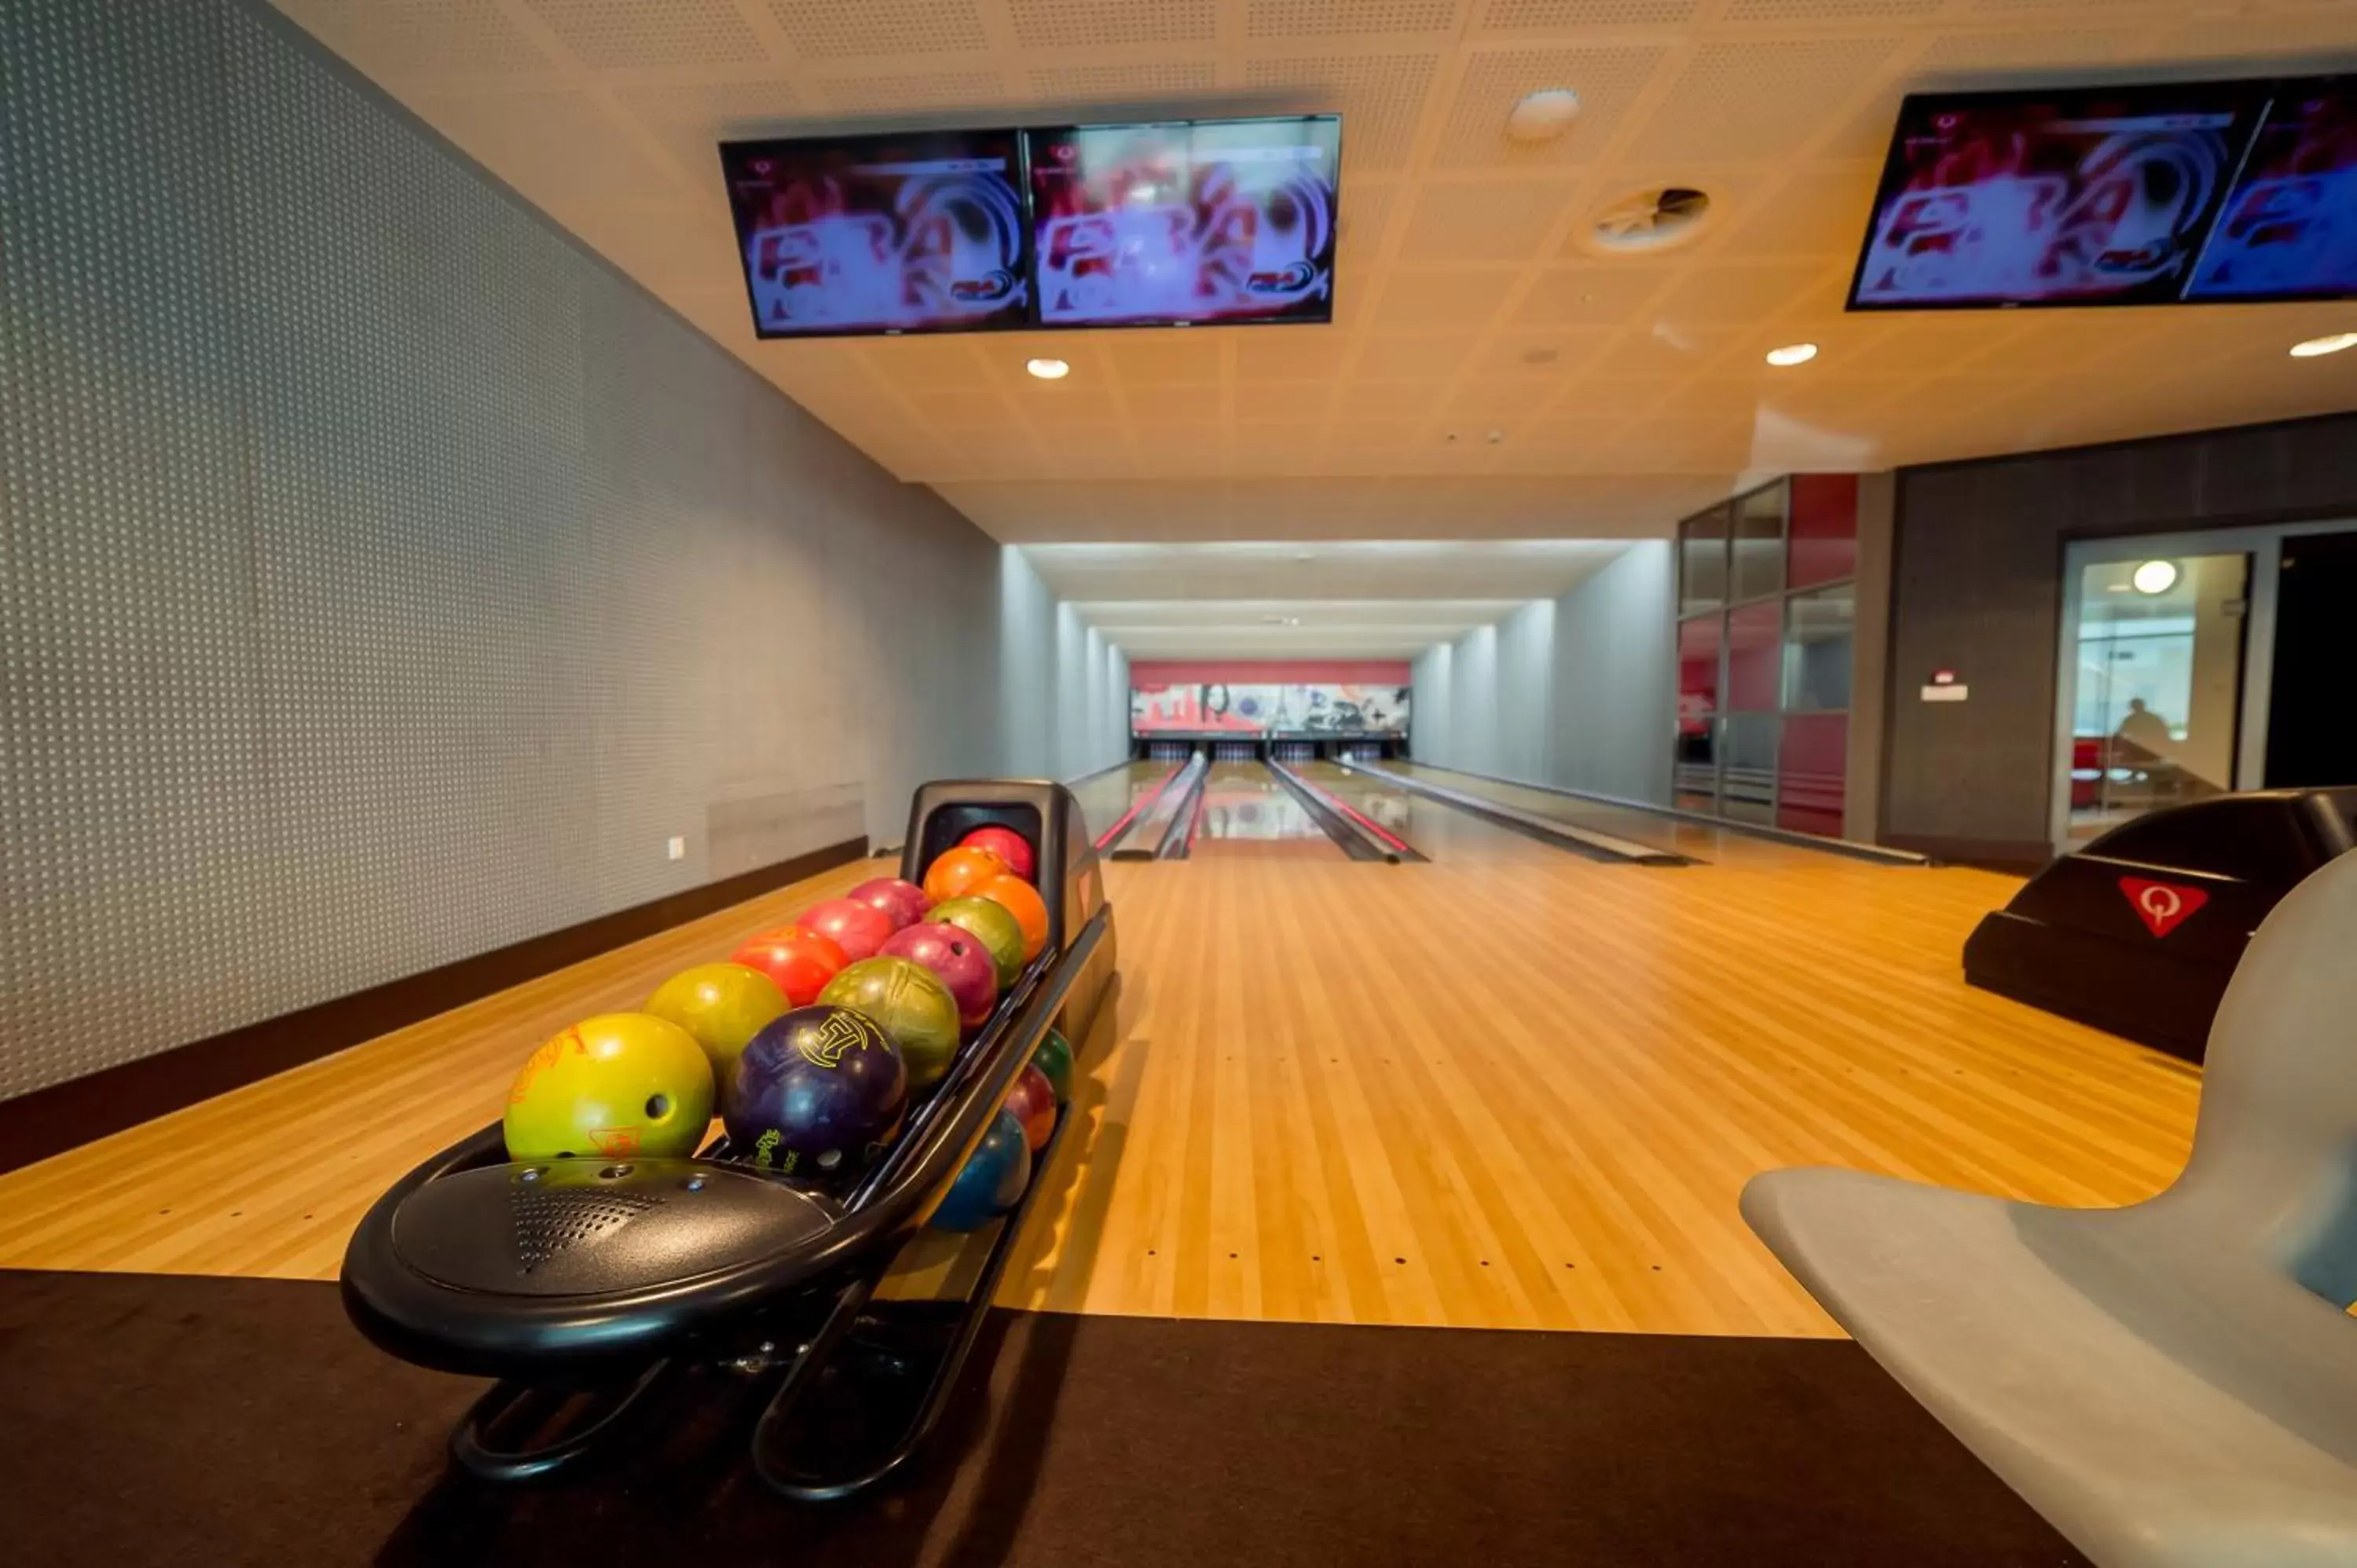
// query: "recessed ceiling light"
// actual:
[[1048, 370], [1543, 115], [2327, 345], [1792, 354], [2153, 576]]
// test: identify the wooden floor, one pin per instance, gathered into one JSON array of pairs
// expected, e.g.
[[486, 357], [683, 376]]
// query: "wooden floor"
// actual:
[[1515, 1089]]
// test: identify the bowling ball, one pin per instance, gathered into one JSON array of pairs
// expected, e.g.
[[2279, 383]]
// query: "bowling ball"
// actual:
[[958, 959], [801, 961], [619, 1084], [914, 1007], [857, 929], [1033, 1103], [993, 1180], [816, 1094], [1023, 902], [958, 872], [723, 1006], [1054, 1058], [1008, 845], [994, 924], [904, 903]]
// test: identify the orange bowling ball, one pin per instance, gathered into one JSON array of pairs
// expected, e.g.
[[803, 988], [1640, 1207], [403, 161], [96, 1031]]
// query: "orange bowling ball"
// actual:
[[961, 871], [1022, 900]]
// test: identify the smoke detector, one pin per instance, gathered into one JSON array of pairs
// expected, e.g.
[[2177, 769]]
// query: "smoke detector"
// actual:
[[1654, 219], [1543, 115]]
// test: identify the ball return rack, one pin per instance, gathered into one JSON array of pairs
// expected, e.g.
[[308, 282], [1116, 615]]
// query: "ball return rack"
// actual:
[[586, 1286]]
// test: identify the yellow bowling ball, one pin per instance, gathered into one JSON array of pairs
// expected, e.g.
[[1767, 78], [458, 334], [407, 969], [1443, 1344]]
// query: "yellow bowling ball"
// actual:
[[724, 1005], [618, 1085]]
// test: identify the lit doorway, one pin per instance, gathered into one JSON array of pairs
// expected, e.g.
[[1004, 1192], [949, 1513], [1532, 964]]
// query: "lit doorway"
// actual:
[[2169, 655]]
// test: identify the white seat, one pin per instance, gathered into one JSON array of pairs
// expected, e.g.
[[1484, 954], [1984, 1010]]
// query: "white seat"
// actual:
[[2170, 1383]]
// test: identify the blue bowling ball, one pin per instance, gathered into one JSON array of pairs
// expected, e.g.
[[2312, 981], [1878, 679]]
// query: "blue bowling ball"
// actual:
[[818, 1092], [992, 1181]]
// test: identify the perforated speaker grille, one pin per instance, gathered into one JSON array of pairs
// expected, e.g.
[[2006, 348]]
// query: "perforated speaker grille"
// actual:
[[549, 1220]]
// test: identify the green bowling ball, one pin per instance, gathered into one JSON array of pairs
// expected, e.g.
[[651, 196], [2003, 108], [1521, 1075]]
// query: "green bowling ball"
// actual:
[[723, 1006], [994, 925], [910, 1003], [620, 1085], [1054, 1060]]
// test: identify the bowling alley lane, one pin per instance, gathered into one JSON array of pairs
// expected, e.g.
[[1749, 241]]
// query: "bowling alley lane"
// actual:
[[1698, 840], [1434, 827], [1105, 798], [1247, 812]]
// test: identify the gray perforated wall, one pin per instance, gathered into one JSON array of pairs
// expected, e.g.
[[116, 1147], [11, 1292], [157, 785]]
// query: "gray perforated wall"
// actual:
[[383, 578]]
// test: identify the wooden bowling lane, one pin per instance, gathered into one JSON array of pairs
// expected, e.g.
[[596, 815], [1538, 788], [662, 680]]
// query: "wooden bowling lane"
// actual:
[[1247, 814], [1695, 839], [1520, 1091], [1434, 827], [1105, 798]]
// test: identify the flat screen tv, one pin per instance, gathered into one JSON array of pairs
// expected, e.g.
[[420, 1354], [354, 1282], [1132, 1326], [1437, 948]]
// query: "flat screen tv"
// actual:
[[2288, 227], [1186, 223], [917, 233], [2086, 196]]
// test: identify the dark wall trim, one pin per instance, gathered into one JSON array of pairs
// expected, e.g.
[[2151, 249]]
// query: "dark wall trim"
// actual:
[[2125, 443], [65, 1115]]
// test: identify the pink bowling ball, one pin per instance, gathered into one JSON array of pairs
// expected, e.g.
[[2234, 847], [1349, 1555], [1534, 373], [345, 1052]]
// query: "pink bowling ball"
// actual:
[[959, 959], [905, 902], [859, 930]]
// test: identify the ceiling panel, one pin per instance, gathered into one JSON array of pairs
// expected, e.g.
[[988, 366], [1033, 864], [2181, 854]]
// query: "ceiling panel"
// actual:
[[1625, 389]]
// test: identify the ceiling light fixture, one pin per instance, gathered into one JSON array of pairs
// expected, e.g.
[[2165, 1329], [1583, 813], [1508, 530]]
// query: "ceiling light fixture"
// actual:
[[2315, 347], [1543, 115], [1048, 370], [2153, 576], [1792, 354]]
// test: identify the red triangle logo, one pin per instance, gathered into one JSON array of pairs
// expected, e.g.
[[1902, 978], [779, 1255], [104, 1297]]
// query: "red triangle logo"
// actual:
[[2161, 906]]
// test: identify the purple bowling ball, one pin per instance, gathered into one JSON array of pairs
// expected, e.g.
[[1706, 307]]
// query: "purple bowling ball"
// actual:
[[957, 956], [904, 902], [818, 1092]]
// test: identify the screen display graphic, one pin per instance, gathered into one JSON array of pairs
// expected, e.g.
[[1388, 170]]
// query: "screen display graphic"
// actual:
[[1314, 708], [921, 233], [1194, 222], [2096, 196], [2288, 228]]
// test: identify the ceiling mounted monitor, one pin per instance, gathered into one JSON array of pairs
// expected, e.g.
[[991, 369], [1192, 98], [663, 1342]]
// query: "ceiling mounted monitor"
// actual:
[[1186, 223], [2288, 228], [2085, 195], [921, 231]]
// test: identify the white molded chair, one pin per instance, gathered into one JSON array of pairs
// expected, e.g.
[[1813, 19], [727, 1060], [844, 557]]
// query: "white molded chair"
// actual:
[[2170, 1383]]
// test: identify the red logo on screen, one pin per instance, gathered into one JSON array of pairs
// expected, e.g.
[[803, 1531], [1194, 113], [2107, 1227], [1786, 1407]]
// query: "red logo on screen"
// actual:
[[2161, 906]]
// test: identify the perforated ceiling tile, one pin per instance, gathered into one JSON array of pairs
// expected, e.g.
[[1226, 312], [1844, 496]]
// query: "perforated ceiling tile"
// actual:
[[1595, 293], [1307, 18], [626, 34], [1294, 354], [1495, 79], [1827, 10], [1554, 355], [692, 121], [1448, 297], [1170, 357], [830, 29], [1094, 24], [1495, 220], [1144, 79], [1735, 294], [1971, 51], [1572, 16], [1760, 100], [1379, 96], [2332, 31], [961, 410], [556, 142], [395, 38], [1254, 401], [1418, 357], [938, 93]]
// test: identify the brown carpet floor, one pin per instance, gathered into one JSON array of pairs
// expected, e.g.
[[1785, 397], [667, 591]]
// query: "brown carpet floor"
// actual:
[[148, 1419]]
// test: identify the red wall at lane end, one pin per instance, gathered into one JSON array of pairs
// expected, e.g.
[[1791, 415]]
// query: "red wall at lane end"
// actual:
[[1268, 672]]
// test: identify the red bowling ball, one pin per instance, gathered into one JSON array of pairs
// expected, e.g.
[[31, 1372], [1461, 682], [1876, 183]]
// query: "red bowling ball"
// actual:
[[1032, 1102], [958, 958], [1008, 845], [904, 902], [859, 930]]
